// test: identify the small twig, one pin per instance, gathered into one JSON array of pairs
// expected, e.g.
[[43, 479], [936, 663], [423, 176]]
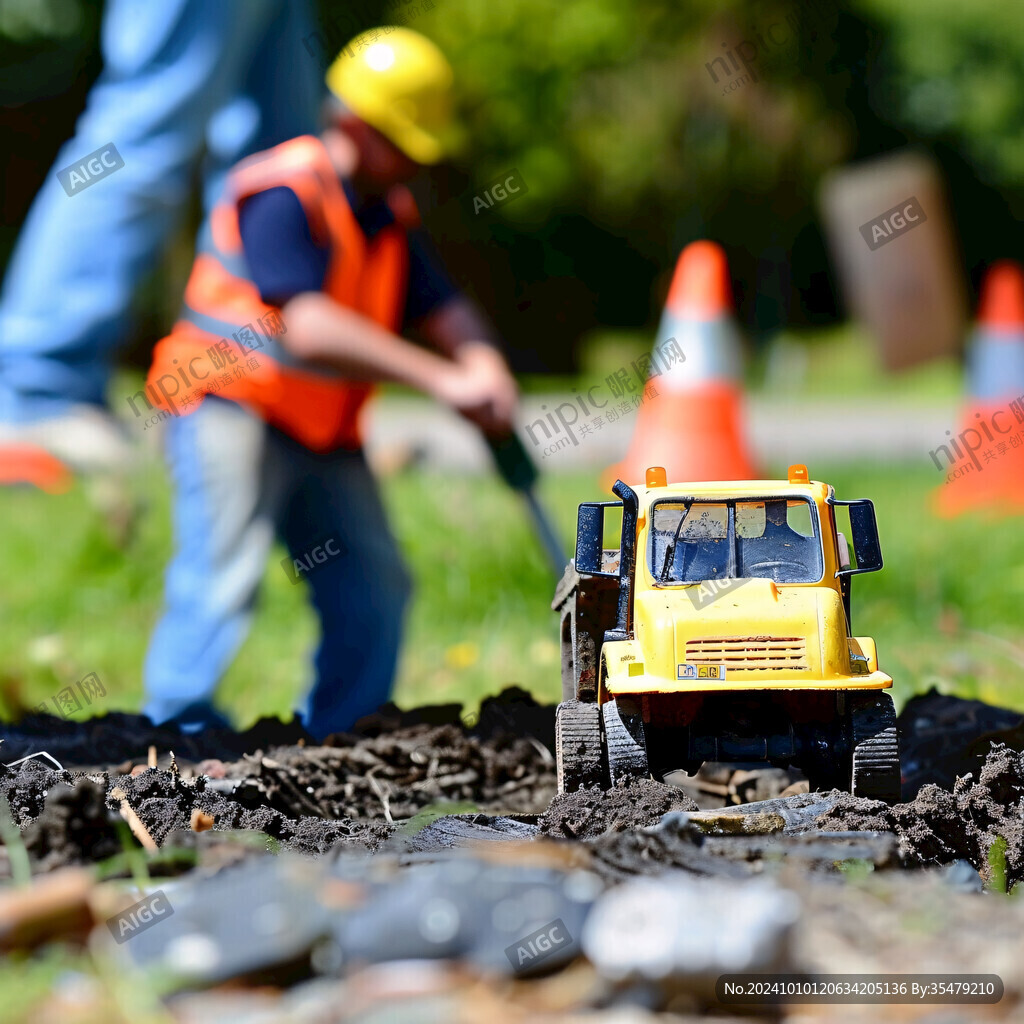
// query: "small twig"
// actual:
[[41, 753], [286, 779], [134, 821], [136, 860], [542, 750], [383, 797], [151, 759]]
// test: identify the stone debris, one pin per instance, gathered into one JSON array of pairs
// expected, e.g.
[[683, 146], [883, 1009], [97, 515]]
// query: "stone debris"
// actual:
[[676, 926], [425, 869]]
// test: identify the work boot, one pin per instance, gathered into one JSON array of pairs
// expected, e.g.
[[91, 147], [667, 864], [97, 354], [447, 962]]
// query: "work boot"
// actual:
[[45, 452]]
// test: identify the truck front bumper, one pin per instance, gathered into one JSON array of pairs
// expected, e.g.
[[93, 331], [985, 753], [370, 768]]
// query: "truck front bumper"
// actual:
[[632, 685]]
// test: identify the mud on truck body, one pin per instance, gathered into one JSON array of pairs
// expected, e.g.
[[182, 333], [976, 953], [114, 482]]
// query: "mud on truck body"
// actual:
[[719, 630]]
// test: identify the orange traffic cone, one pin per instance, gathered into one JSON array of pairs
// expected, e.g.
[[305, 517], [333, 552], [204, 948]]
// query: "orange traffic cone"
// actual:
[[30, 464], [984, 463], [692, 424]]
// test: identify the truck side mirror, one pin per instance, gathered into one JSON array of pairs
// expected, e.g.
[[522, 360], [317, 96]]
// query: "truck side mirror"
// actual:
[[866, 549], [590, 538]]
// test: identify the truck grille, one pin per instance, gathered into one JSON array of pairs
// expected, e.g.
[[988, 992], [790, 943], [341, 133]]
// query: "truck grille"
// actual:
[[749, 653]]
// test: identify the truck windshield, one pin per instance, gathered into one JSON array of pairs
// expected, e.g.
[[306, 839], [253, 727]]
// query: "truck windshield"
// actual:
[[773, 538]]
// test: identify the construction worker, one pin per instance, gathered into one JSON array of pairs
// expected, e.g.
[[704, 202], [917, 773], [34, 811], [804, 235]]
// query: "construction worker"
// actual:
[[312, 266], [188, 88]]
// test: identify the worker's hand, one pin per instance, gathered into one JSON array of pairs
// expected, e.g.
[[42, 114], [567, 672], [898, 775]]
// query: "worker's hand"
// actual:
[[478, 385]]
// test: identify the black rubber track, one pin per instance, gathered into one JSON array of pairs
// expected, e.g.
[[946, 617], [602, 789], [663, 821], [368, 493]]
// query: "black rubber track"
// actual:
[[578, 746], [876, 747], [624, 742]]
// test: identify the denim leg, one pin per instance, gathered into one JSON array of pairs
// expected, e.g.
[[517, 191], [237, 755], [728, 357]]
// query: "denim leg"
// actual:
[[360, 595], [279, 98], [228, 496], [168, 68]]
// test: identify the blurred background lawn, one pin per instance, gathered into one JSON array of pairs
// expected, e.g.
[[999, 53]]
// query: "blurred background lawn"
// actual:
[[630, 148], [77, 599]]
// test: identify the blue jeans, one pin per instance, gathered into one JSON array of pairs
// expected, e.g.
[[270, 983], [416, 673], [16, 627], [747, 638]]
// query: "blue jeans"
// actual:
[[239, 483], [183, 80]]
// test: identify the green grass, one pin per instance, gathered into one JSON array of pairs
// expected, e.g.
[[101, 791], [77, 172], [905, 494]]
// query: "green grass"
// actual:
[[841, 362], [944, 611]]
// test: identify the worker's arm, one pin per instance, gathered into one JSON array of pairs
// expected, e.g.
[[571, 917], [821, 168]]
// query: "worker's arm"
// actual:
[[290, 271], [459, 330], [474, 381]]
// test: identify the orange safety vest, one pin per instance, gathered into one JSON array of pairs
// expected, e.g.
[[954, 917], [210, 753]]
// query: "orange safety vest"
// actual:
[[224, 317]]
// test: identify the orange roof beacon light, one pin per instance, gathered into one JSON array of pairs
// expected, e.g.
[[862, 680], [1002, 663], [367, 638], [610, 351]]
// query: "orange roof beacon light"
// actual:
[[798, 474], [656, 476]]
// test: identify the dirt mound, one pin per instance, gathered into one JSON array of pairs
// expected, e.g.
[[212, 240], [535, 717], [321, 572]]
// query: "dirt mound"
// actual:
[[74, 827], [310, 798], [395, 764], [116, 737], [398, 773], [591, 812], [25, 788], [940, 826], [164, 802], [398, 762], [69, 819], [511, 712], [943, 738]]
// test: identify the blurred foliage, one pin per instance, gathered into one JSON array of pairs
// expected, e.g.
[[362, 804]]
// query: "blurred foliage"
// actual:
[[24, 20], [633, 139], [956, 71], [626, 117], [611, 106]]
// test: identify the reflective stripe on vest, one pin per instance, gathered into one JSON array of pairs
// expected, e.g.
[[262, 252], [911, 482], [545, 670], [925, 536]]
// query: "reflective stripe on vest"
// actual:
[[224, 318]]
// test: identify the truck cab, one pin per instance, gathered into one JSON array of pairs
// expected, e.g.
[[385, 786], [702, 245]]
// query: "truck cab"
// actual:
[[719, 630]]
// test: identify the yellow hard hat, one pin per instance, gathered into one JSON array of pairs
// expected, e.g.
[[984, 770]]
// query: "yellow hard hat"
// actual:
[[399, 82]]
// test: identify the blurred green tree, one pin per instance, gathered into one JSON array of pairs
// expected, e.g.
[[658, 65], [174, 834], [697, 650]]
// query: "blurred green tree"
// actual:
[[637, 125]]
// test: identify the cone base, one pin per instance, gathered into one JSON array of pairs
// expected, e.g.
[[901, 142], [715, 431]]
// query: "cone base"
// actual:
[[994, 487], [30, 464], [996, 490]]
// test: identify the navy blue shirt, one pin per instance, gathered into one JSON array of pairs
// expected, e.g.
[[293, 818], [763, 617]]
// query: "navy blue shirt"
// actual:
[[284, 261]]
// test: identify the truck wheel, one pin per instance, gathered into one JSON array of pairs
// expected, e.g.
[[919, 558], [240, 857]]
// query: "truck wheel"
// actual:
[[578, 746], [624, 740], [876, 752]]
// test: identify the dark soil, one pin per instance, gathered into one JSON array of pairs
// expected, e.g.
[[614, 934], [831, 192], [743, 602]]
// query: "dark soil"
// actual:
[[165, 802], [117, 737], [396, 764], [71, 819], [75, 826], [591, 812], [394, 786], [400, 772], [941, 826], [309, 798], [943, 738]]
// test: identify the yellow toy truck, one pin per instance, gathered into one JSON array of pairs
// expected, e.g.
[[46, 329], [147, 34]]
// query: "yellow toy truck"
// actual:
[[720, 631]]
